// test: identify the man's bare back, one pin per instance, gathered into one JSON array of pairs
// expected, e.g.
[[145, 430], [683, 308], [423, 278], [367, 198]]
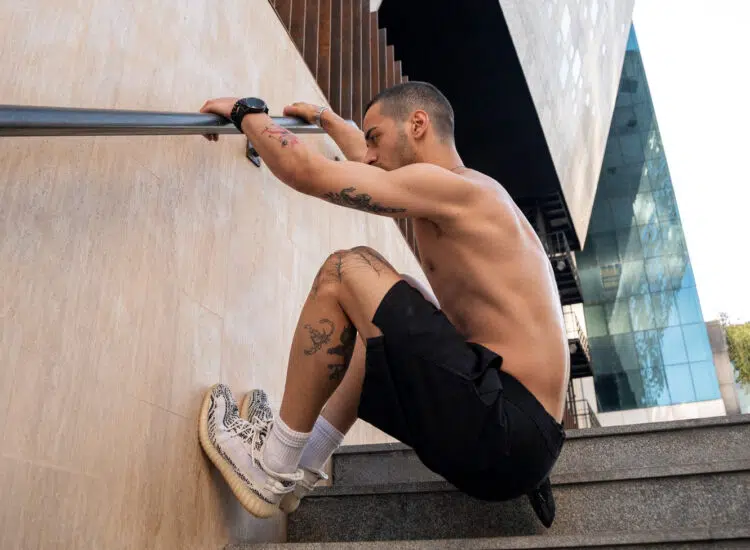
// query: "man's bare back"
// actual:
[[494, 281]]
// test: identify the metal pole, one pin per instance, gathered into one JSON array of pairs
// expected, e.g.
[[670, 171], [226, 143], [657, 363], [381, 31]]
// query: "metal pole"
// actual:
[[19, 120]]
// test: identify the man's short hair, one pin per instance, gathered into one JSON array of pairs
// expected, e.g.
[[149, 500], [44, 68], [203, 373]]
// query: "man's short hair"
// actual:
[[399, 101]]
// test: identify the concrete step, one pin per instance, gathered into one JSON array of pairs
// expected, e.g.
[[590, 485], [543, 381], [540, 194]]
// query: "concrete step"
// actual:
[[691, 539], [676, 475]]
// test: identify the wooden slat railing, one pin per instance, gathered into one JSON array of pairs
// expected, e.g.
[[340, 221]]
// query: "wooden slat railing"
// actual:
[[349, 55]]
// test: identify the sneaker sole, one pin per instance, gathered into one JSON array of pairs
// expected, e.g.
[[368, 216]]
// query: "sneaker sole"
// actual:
[[249, 500], [289, 503]]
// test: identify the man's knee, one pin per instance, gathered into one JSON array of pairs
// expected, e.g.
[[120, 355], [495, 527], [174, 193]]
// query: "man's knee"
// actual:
[[342, 266]]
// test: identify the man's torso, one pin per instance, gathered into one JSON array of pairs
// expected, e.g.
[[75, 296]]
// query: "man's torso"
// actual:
[[493, 280]]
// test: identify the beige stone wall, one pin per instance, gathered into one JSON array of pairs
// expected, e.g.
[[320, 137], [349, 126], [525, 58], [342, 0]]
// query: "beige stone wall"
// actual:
[[137, 271]]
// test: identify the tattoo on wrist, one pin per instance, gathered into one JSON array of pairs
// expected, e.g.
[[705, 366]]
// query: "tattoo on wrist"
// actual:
[[282, 135], [362, 201]]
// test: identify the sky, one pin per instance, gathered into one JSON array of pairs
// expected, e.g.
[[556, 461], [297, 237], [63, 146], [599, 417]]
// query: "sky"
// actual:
[[697, 60]]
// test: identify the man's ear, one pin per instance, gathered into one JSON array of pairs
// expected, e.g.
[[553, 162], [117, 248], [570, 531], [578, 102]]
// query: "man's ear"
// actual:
[[420, 120]]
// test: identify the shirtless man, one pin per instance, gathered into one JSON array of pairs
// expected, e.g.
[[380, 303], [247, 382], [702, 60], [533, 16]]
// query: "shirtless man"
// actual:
[[473, 378]]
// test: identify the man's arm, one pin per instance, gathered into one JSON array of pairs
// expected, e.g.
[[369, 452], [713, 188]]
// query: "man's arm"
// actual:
[[417, 190], [349, 138]]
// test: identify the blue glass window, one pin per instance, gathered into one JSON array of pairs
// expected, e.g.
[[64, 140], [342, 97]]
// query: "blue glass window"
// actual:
[[644, 209], [591, 284], [596, 322], [629, 244], [651, 241], [705, 381], [601, 217], [603, 355], [631, 147], [673, 241], [618, 317], [673, 346], [622, 212], [683, 278], [687, 303], [633, 279], [666, 205], [665, 309], [680, 383], [655, 391], [625, 348], [696, 341], [606, 248], [644, 183], [658, 275], [641, 312]]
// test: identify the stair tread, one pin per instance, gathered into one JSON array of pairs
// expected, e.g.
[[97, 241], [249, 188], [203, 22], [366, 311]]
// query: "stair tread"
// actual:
[[666, 449], [737, 533]]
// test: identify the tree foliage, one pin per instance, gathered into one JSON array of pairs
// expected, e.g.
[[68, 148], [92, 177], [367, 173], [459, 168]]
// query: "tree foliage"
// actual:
[[738, 341]]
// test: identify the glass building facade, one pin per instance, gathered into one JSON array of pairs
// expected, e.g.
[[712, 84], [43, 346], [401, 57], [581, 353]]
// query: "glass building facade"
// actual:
[[648, 340]]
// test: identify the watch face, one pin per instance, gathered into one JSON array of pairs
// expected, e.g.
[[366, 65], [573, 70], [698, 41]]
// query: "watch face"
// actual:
[[255, 104]]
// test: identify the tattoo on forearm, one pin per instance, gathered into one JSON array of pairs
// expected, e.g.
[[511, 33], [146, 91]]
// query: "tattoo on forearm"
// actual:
[[282, 135], [345, 350], [319, 337], [359, 202]]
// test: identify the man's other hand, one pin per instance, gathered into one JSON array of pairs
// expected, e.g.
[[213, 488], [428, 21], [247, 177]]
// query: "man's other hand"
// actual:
[[221, 106], [305, 111]]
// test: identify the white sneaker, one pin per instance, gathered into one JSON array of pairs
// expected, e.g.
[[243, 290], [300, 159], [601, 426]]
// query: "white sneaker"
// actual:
[[235, 446], [290, 502], [251, 403]]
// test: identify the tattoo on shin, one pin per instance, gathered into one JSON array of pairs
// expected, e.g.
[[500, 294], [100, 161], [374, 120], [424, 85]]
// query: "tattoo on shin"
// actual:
[[344, 350], [320, 337], [282, 135], [361, 201]]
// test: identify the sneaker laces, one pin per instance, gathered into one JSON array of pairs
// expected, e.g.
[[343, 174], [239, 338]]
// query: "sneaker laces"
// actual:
[[253, 433]]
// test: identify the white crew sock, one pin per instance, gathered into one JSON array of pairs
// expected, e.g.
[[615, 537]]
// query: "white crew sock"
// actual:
[[324, 440], [283, 448]]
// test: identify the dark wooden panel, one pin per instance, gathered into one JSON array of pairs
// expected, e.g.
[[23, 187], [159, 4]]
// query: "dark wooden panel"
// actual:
[[312, 21], [367, 47], [284, 9], [324, 48], [383, 58], [347, 37], [273, 3], [399, 78], [374, 56], [357, 63], [335, 96], [297, 29], [390, 76]]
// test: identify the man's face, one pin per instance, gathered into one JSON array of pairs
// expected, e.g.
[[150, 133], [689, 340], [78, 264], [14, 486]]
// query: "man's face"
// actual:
[[388, 144]]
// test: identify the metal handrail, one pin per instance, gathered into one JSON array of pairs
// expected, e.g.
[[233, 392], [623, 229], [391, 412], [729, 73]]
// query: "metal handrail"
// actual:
[[20, 120]]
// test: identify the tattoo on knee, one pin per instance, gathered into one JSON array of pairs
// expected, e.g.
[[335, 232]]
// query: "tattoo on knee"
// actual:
[[339, 265], [319, 337], [345, 350], [372, 258]]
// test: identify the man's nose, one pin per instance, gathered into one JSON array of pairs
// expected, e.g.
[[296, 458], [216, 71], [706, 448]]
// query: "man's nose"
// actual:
[[370, 157]]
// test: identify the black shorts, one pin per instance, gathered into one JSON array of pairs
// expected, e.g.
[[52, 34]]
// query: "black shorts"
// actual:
[[448, 399]]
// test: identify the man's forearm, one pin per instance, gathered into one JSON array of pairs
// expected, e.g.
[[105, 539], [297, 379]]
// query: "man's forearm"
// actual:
[[284, 154], [348, 137]]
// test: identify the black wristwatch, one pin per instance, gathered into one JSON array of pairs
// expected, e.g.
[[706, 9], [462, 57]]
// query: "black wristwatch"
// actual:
[[246, 106]]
